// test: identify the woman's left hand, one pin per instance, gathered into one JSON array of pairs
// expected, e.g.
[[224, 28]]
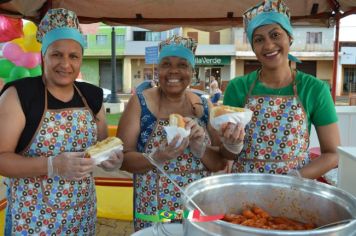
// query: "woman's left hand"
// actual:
[[232, 136], [114, 162], [196, 138]]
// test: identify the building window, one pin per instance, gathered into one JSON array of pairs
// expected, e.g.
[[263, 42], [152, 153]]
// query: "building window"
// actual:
[[85, 41], [349, 77], [139, 35], [101, 40], [193, 35], [170, 33], [214, 37], [153, 36], [244, 38], [314, 37], [119, 39]]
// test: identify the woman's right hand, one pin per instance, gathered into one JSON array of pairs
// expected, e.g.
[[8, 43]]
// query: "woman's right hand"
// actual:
[[232, 133], [70, 165], [166, 152]]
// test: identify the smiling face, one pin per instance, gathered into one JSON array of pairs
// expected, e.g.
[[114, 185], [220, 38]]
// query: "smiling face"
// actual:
[[271, 45], [62, 62], [175, 75]]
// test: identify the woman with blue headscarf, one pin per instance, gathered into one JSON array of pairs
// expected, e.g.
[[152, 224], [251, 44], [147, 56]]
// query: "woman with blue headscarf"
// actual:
[[46, 123], [285, 102], [142, 130]]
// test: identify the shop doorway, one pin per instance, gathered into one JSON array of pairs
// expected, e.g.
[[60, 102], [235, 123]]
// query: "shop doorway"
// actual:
[[211, 72]]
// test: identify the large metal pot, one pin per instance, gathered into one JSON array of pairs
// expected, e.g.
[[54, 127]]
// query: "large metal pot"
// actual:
[[302, 200]]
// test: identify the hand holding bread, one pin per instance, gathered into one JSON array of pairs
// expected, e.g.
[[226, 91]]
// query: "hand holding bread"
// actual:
[[102, 150], [230, 123], [69, 165], [177, 127]]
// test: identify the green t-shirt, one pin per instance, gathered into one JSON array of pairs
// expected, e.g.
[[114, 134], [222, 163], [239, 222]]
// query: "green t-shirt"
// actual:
[[312, 92]]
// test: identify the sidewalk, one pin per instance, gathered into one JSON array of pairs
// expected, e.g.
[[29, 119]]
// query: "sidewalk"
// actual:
[[109, 227]]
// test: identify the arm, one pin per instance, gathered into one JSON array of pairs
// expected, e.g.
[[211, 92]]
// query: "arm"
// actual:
[[101, 124], [214, 158], [329, 140], [12, 123], [215, 155], [129, 126]]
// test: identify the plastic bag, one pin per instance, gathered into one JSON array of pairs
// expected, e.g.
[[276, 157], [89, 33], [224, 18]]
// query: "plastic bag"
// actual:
[[235, 118]]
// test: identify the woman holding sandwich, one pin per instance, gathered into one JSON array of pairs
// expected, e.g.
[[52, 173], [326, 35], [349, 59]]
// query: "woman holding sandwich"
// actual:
[[46, 124], [285, 102], [142, 130]]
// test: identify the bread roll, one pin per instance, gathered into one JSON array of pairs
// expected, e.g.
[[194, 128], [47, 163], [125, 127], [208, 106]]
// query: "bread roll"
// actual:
[[102, 146], [176, 120], [222, 110]]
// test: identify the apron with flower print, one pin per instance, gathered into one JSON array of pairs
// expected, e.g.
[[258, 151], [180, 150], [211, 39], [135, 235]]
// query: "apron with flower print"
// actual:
[[277, 136], [56, 206], [153, 190]]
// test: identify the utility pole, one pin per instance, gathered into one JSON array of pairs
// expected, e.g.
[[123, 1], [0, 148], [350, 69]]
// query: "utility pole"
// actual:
[[113, 96]]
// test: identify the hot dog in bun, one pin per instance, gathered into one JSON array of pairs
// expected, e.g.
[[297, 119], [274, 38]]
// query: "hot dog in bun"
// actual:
[[176, 120], [223, 109], [102, 146]]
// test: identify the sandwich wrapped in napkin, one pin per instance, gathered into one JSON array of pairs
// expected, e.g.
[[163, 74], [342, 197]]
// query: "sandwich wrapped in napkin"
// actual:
[[102, 149], [176, 126], [223, 114]]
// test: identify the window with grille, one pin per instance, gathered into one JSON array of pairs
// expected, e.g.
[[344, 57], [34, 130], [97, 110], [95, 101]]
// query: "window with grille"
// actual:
[[153, 36], [314, 37], [101, 40], [119, 39], [193, 35], [214, 37], [349, 78]]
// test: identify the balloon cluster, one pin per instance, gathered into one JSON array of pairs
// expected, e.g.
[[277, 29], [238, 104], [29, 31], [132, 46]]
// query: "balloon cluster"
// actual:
[[22, 56]]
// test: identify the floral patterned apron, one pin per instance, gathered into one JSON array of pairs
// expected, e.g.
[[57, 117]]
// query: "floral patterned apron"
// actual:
[[55, 206], [277, 137], [153, 190]]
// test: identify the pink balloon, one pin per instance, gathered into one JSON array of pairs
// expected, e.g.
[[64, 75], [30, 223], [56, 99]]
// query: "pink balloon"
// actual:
[[28, 60], [12, 51]]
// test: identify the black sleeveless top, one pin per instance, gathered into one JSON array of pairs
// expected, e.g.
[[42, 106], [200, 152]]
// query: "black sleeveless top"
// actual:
[[31, 92]]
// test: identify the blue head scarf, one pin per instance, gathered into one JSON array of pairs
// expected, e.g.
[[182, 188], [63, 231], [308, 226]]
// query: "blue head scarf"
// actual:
[[58, 24], [266, 13], [177, 46]]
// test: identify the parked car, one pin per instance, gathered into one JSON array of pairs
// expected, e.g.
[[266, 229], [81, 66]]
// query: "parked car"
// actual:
[[106, 94]]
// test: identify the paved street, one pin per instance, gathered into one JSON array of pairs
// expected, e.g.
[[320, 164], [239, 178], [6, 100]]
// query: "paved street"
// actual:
[[108, 227]]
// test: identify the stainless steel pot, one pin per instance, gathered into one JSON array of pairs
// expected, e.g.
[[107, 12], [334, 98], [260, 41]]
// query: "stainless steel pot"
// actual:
[[302, 200]]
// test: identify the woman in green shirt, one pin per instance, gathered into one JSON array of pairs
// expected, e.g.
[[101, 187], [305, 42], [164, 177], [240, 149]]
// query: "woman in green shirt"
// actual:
[[285, 102]]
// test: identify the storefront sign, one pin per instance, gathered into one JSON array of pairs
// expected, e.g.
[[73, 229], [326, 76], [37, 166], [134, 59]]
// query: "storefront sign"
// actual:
[[151, 55], [212, 60]]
